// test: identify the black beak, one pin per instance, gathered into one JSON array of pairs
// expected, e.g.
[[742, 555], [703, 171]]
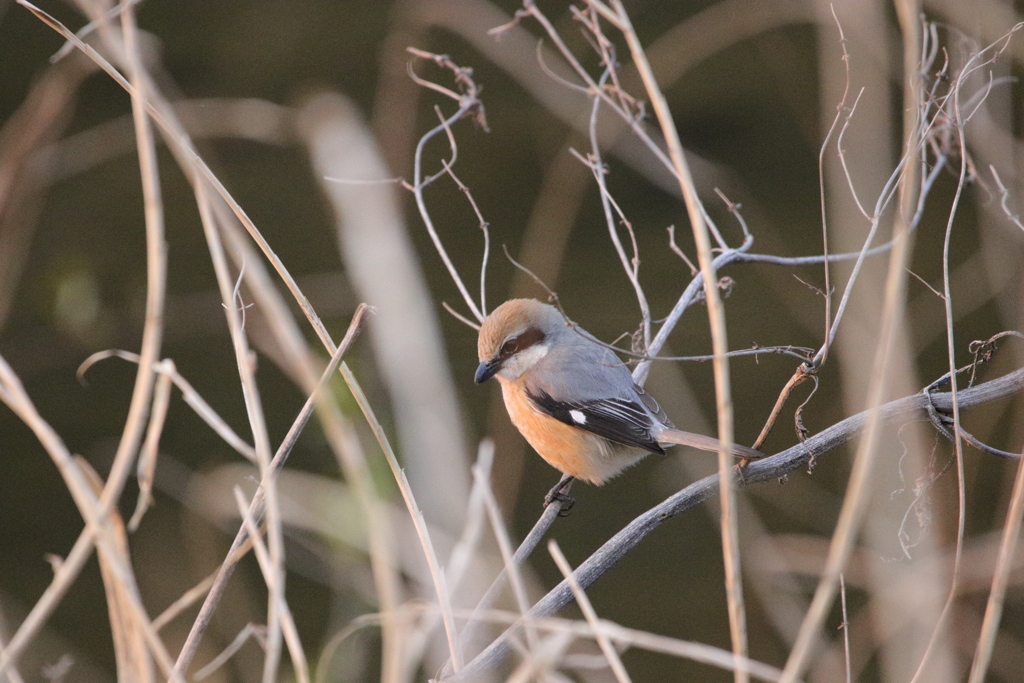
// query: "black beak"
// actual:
[[486, 370]]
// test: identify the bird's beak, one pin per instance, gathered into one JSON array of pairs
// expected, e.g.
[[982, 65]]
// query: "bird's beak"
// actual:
[[486, 370]]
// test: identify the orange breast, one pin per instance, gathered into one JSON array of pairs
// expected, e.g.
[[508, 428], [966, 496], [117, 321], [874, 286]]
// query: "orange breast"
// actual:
[[574, 451]]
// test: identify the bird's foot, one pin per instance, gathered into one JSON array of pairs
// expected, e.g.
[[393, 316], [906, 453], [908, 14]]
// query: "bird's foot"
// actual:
[[565, 501], [560, 494]]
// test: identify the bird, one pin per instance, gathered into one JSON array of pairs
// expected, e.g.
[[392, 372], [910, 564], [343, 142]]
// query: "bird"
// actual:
[[572, 398]]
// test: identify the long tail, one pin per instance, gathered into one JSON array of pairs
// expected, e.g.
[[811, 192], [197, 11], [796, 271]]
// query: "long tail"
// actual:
[[704, 443]]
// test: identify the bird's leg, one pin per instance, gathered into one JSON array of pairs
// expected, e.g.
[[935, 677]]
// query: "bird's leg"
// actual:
[[560, 494]]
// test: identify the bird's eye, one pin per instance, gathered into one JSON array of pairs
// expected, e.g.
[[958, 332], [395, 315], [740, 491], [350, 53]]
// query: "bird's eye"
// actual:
[[509, 347], [521, 342]]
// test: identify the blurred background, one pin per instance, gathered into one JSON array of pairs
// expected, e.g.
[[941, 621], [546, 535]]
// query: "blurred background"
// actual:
[[280, 97]]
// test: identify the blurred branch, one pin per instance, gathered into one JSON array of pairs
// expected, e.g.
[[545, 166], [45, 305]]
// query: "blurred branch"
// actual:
[[622, 636], [284, 329], [134, 662]]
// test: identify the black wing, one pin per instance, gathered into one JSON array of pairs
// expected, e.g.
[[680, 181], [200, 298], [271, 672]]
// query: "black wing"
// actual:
[[619, 420]]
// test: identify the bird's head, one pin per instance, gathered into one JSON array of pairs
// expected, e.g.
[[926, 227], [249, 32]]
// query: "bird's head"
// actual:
[[514, 337]]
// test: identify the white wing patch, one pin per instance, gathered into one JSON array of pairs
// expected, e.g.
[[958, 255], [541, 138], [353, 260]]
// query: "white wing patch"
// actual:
[[620, 420]]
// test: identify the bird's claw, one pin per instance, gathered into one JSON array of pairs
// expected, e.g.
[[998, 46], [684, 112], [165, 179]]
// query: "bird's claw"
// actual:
[[559, 493], [565, 500]]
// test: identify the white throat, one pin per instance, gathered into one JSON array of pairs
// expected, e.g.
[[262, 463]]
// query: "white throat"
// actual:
[[515, 366]]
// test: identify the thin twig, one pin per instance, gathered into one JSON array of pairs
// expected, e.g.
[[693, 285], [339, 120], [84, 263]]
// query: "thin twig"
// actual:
[[608, 205], [461, 318], [192, 164], [1004, 196], [135, 422], [188, 394], [484, 228], [156, 268], [465, 551], [192, 595], [821, 185], [469, 103], [98, 530], [679, 252], [803, 372], [282, 327], [625, 637], [525, 549], [248, 631], [511, 567]]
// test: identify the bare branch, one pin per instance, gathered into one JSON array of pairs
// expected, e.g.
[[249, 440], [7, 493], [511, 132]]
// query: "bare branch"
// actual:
[[469, 104]]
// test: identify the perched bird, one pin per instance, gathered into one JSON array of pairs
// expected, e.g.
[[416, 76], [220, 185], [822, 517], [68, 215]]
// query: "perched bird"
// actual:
[[572, 398]]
